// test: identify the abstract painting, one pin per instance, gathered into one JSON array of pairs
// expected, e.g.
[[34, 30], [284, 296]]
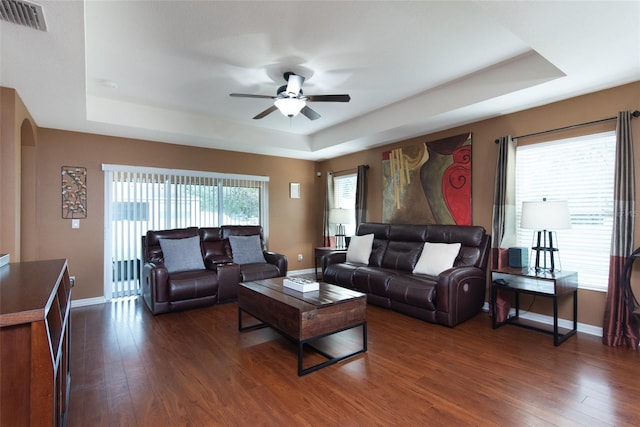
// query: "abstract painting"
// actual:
[[428, 183]]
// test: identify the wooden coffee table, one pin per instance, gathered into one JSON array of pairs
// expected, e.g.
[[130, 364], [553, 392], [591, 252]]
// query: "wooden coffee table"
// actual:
[[304, 317]]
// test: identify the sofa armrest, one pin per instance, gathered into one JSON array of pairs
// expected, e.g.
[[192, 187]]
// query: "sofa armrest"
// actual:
[[461, 293], [212, 262], [155, 286], [333, 258], [228, 278], [279, 260]]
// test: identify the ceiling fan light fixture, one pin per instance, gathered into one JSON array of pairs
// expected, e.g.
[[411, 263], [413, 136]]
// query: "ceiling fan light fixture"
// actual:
[[290, 107]]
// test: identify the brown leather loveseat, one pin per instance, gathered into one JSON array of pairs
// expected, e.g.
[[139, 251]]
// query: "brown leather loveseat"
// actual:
[[391, 277], [178, 280]]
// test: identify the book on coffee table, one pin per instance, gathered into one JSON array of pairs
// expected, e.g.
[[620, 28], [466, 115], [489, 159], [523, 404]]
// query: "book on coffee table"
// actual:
[[300, 284]]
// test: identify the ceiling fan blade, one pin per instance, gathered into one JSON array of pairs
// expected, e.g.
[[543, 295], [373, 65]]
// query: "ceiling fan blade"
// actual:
[[247, 95], [311, 114], [266, 112], [329, 98], [294, 84]]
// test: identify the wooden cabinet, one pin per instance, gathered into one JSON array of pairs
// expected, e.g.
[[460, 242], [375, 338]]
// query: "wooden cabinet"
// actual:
[[35, 307]]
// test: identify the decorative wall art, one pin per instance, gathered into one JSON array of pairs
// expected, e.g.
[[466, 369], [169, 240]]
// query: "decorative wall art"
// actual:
[[74, 192], [428, 183]]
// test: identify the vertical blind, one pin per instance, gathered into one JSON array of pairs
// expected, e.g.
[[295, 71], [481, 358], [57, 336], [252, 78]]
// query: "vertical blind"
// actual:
[[141, 199], [581, 171]]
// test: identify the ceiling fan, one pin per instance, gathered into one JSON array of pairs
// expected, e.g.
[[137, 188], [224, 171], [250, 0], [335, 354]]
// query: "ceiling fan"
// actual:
[[290, 100]]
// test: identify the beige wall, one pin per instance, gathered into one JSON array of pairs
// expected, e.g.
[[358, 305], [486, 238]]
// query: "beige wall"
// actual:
[[17, 129], [581, 109], [291, 224], [295, 224]]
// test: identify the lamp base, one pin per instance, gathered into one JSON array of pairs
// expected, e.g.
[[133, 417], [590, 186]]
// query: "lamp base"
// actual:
[[340, 238], [542, 247]]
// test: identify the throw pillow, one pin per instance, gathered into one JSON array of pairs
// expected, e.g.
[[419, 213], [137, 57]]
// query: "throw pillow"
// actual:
[[360, 249], [182, 254], [247, 249], [436, 258]]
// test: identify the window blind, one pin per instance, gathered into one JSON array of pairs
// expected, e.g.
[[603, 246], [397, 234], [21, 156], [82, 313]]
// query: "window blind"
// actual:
[[142, 199], [344, 195], [581, 171]]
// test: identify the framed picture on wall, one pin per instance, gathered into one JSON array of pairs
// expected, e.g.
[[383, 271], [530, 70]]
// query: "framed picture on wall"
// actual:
[[428, 183], [294, 190], [74, 192]]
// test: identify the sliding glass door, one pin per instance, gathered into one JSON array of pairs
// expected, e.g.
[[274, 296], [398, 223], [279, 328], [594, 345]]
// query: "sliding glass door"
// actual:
[[141, 199]]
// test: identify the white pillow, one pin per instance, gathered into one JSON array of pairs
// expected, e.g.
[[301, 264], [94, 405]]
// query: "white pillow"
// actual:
[[436, 258], [360, 249]]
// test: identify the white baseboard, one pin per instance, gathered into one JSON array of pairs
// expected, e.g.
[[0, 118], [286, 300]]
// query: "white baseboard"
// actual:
[[548, 320], [87, 301]]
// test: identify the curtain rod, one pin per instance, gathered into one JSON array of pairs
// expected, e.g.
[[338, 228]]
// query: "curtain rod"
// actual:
[[348, 170], [636, 113]]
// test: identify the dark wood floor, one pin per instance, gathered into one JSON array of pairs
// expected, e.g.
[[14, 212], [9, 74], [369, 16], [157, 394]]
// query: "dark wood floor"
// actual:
[[194, 368]]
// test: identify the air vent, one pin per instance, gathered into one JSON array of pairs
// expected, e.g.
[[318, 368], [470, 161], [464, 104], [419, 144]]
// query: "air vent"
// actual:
[[23, 13]]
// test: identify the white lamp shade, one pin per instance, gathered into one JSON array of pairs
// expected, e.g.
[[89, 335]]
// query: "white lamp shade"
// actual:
[[341, 216], [545, 215], [290, 106]]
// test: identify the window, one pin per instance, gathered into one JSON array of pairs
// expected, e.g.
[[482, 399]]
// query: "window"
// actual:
[[581, 171], [142, 199], [344, 197]]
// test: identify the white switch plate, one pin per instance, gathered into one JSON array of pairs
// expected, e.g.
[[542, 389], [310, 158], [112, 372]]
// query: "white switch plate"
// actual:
[[75, 223]]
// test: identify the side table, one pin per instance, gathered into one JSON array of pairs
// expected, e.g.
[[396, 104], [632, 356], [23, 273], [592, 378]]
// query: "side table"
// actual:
[[322, 251], [541, 283]]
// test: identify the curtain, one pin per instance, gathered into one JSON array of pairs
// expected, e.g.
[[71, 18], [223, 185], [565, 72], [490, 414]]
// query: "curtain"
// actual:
[[620, 324], [361, 195], [503, 227], [327, 239]]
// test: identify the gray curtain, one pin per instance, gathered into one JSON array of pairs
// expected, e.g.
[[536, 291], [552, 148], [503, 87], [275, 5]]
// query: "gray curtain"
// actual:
[[503, 227], [361, 195], [327, 235], [620, 324]]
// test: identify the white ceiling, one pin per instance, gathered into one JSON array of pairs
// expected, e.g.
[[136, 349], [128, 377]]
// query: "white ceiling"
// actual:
[[410, 67]]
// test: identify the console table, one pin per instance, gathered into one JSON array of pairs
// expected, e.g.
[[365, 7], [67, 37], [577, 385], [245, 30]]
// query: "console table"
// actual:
[[35, 311], [547, 284]]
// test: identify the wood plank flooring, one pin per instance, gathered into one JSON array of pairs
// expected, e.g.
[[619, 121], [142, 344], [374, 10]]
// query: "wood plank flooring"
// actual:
[[193, 368]]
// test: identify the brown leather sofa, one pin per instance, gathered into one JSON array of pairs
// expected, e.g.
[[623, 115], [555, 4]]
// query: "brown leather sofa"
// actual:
[[451, 297], [217, 282]]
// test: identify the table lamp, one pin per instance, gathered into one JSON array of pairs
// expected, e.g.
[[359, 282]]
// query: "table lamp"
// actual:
[[544, 217], [340, 217]]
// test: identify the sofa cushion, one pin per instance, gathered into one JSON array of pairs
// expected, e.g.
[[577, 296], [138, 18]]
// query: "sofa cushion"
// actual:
[[373, 280], [214, 247], [436, 257], [182, 254], [192, 284], [360, 249], [402, 255], [260, 271], [413, 290], [247, 249], [340, 274]]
